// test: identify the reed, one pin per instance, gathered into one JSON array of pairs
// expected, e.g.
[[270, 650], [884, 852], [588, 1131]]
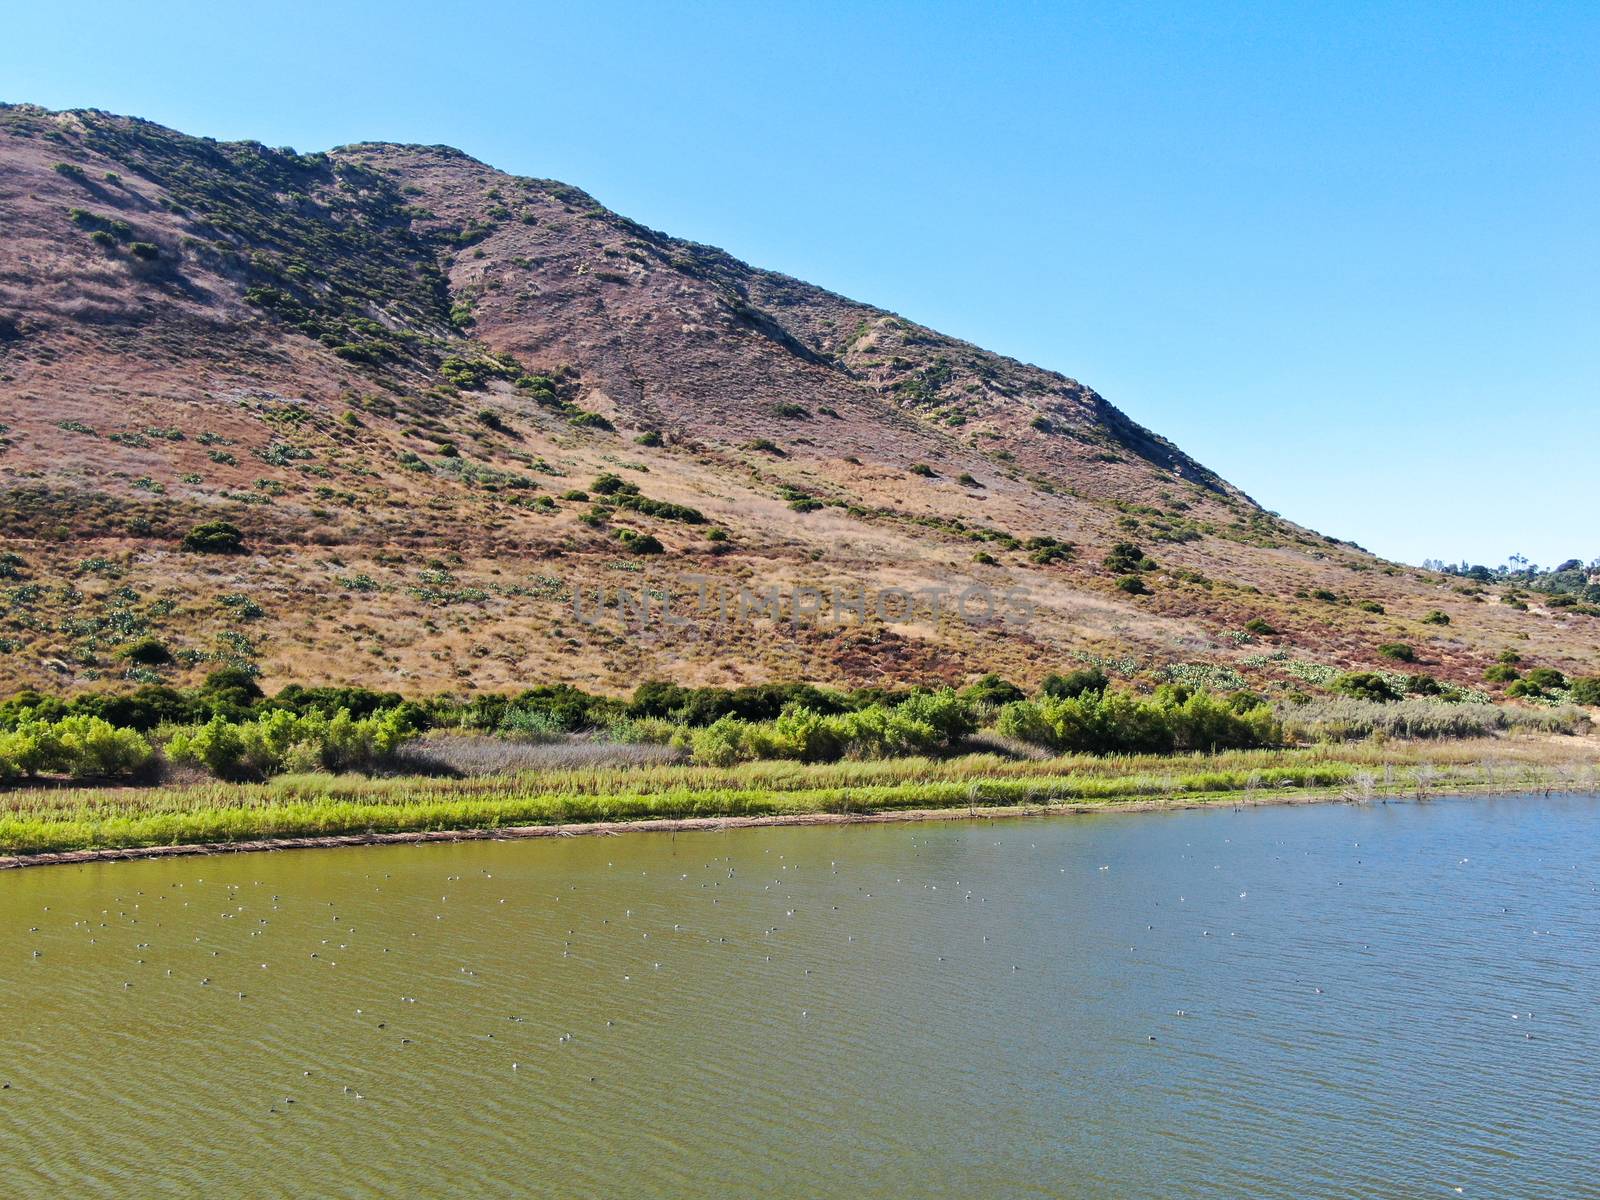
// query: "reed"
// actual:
[[39, 820]]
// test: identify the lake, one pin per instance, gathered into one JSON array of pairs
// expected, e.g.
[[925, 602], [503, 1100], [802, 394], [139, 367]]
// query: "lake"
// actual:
[[1395, 1000]]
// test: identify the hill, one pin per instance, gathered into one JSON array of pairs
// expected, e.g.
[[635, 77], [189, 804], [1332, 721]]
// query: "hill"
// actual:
[[439, 402]]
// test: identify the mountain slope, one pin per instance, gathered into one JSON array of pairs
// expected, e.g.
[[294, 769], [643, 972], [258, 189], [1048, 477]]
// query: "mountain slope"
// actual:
[[395, 368]]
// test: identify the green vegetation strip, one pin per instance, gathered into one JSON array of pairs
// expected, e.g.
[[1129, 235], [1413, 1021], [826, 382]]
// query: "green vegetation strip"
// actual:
[[37, 822]]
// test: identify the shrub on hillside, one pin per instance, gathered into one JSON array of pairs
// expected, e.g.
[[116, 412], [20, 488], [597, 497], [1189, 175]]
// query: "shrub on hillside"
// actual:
[[1398, 651], [1365, 685], [1586, 691], [993, 691], [214, 537], [1125, 558], [147, 652], [923, 723], [1074, 683], [1436, 618]]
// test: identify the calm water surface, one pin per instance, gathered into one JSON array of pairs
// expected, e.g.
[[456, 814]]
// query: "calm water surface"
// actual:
[[1394, 1001]]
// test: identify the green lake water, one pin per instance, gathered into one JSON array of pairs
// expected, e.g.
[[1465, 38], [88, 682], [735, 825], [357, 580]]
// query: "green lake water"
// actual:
[[1396, 1000]]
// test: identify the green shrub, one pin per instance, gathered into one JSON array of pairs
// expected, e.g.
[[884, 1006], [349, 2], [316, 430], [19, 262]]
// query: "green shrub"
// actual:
[[923, 723], [1586, 691], [640, 543], [1502, 672], [146, 251], [1364, 685], [1371, 606], [1423, 685], [1524, 689], [1258, 626], [1125, 558], [82, 747], [280, 740], [1117, 722], [1074, 683], [1133, 585], [1436, 618], [1398, 651], [649, 438], [147, 652], [1547, 677], [214, 537], [992, 690], [924, 470]]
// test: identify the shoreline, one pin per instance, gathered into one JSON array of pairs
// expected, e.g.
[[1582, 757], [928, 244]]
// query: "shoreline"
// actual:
[[1176, 803]]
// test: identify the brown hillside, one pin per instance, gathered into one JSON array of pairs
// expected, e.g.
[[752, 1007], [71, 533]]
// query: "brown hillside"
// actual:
[[392, 367]]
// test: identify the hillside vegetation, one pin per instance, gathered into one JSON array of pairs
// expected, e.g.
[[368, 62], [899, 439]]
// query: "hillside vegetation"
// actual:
[[385, 416]]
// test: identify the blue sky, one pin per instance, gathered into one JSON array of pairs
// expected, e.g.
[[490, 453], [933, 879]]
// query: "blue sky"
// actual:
[[1346, 255]]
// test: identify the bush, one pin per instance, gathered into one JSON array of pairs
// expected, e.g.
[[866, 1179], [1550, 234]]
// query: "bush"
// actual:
[[649, 438], [1258, 626], [1398, 651], [142, 709], [147, 652], [214, 537], [1047, 550], [281, 741], [1117, 722], [924, 470], [640, 543], [1364, 685], [1133, 585], [923, 723], [82, 747], [1436, 618], [229, 692], [1547, 677], [1075, 683], [1502, 672], [1423, 685], [1586, 691], [1125, 559], [992, 690]]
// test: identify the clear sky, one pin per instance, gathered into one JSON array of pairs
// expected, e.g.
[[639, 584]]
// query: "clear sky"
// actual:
[[1346, 254]]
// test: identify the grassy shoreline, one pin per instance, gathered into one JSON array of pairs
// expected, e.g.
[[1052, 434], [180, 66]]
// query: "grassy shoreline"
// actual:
[[39, 825]]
